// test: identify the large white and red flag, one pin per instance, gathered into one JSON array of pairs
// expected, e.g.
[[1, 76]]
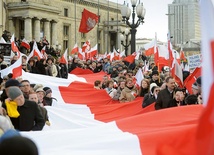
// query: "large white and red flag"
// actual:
[[35, 52], [205, 131], [100, 125]]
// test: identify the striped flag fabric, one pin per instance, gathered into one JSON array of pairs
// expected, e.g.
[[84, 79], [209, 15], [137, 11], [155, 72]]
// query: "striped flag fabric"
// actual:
[[87, 121], [205, 130]]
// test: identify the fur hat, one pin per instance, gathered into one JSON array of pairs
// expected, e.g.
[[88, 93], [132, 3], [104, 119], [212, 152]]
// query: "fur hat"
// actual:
[[37, 86], [40, 89], [14, 92], [151, 86], [12, 82], [155, 72]]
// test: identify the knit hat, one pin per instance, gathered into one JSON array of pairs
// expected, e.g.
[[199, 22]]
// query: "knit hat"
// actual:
[[47, 90], [12, 82], [37, 86], [198, 81], [151, 86], [155, 72], [194, 86], [40, 89], [14, 92]]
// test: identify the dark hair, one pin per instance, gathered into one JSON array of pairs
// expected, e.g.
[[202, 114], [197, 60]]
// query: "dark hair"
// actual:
[[180, 89], [97, 82], [191, 99], [25, 81]]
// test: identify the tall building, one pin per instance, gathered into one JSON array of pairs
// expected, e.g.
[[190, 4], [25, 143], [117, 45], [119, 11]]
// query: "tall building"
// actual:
[[59, 21], [184, 23]]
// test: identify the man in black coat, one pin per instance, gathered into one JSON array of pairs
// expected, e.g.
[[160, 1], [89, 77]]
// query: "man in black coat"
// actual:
[[165, 95], [30, 117]]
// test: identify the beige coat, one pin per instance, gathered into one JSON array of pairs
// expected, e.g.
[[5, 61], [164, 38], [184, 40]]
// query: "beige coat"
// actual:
[[128, 95]]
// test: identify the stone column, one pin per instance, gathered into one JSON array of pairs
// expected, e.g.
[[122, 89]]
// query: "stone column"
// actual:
[[47, 29], [17, 28], [37, 29], [28, 29], [54, 33], [11, 26]]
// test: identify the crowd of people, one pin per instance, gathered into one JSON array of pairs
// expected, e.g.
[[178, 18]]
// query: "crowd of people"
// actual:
[[156, 87], [23, 103]]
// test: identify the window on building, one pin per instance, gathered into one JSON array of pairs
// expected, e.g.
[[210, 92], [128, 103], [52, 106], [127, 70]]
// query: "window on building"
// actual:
[[66, 30], [112, 19], [23, 0], [65, 44], [83, 35], [99, 35], [65, 12]]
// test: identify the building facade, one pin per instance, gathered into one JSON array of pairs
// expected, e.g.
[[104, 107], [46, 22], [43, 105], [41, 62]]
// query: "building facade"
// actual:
[[184, 22], [59, 20]]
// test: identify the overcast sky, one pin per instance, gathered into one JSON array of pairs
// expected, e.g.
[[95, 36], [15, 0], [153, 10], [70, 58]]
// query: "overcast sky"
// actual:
[[156, 19]]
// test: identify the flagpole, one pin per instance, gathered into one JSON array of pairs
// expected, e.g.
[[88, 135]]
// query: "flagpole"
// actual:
[[168, 44], [117, 28], [158, 59], [75, 14], [108, 29], [98, 10]]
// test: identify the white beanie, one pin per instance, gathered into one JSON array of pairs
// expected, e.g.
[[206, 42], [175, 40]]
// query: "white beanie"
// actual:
[[152, 85]]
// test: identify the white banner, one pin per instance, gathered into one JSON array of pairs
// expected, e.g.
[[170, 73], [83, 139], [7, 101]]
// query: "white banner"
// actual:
[[194, 61]]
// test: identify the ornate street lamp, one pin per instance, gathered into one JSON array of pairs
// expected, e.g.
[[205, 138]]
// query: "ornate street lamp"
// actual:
[[126, 12], [125, 39]]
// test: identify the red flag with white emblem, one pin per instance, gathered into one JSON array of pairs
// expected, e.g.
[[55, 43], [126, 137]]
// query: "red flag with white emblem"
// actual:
[[88, 21]]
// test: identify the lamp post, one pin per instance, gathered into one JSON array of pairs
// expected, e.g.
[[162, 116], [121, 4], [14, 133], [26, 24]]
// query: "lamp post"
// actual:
[[126, 12], [125, 37]]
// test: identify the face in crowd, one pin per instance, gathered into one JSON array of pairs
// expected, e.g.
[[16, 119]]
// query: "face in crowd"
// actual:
[[155, 77], [129, 83], [170, 82], [25, 87]]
